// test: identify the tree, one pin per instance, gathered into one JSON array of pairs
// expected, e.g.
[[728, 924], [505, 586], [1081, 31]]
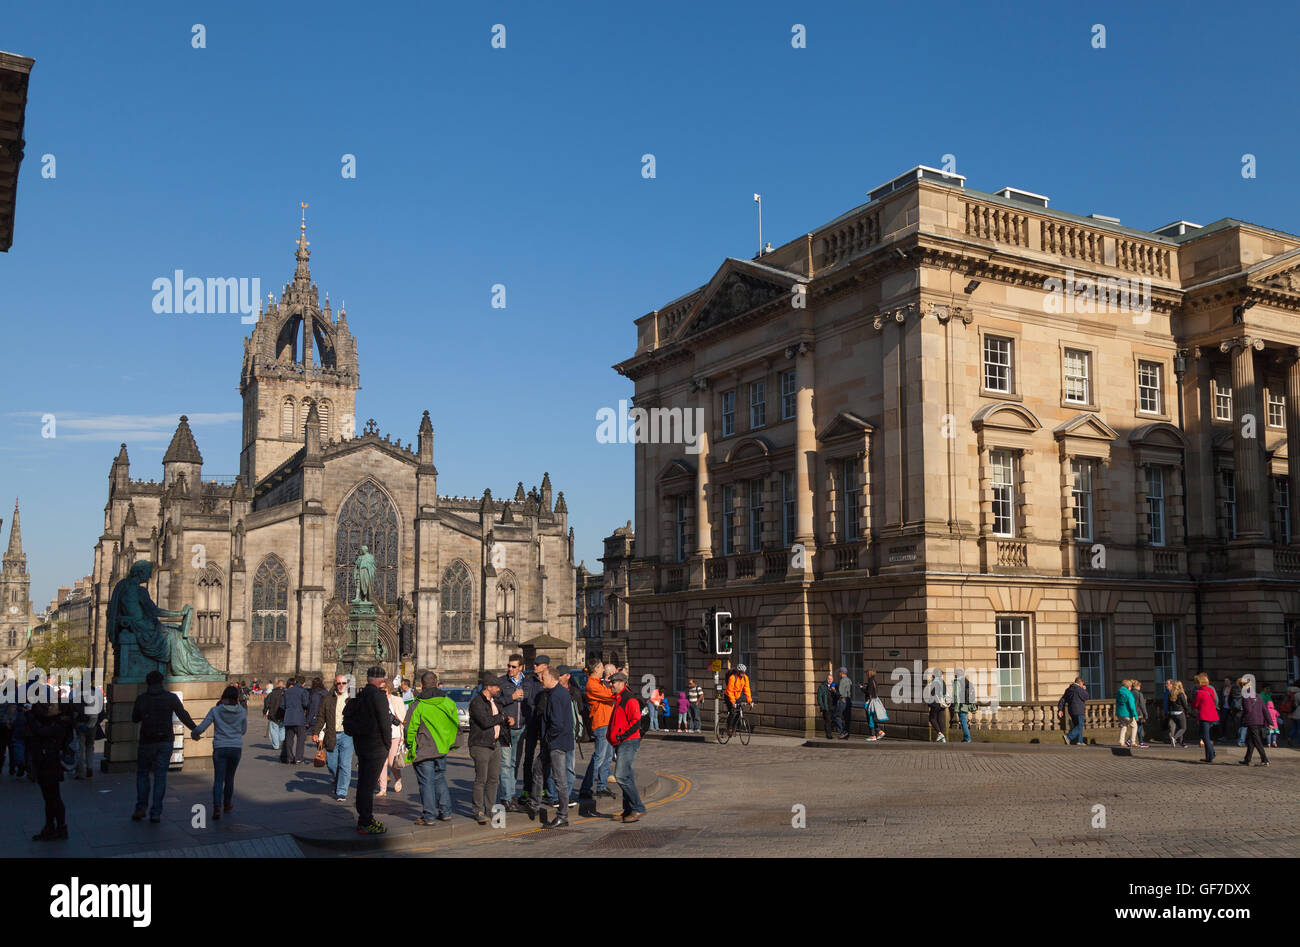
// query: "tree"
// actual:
[[59, 648]]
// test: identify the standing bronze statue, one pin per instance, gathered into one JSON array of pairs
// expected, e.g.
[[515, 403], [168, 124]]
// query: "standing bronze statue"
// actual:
[[142, 642], [363, 574]]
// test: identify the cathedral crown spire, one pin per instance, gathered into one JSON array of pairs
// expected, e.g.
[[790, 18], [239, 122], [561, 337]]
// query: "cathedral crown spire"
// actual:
[[183, 449], [302, 274]]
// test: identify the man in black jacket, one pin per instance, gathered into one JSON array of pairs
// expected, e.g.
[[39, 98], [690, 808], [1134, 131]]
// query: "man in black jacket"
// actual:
[[273, 711], [489, 730], [295, 703], [1074, 700], [153, 711], [373, 742], [534, 712]]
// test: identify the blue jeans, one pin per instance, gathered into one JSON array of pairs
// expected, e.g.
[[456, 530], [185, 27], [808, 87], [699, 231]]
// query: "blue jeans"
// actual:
[[1076, 732], [693, 718], [626, 776], [654, 717], [510, 757], [1295, 731], [435, 797], [225, 759], [275, 731], [1206, 727], [965, 725], [597, 777], [152, 759], [339, 762]]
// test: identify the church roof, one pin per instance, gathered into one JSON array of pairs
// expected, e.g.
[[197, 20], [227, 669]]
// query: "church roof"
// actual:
[[182, 448], [15, 535]]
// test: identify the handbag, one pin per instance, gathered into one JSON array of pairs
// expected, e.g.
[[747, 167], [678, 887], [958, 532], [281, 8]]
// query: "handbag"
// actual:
[[319, 759], [878, 708]]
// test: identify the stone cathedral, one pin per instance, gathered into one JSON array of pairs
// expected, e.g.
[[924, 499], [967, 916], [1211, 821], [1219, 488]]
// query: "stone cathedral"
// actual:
[[266, 557]]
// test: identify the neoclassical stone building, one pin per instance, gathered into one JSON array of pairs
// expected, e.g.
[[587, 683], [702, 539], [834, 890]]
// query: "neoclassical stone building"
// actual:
[[986, 464], [266, 557]]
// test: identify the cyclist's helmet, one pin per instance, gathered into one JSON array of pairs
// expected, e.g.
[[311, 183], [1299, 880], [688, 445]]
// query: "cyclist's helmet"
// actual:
[[741, 668]]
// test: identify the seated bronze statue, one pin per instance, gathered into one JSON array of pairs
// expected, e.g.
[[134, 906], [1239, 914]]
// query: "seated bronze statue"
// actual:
[[142, 642]]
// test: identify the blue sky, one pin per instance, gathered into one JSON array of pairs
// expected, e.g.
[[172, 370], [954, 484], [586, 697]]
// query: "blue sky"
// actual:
[[522, 166]]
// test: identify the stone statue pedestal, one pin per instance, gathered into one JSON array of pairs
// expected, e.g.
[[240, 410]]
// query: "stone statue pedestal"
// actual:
[[120, 748], [362, 647]]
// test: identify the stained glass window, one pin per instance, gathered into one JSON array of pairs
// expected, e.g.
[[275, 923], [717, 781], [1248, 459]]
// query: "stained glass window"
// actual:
[[367, 519], [457, 604], [270, 602]]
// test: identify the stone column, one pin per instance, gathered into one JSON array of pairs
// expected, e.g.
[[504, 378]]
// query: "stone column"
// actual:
[[1249, 469], [1293, 441], [805, 448], [703, 529]]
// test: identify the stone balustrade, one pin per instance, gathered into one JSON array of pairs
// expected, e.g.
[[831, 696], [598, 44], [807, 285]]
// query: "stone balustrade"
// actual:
[[1019, 716], [998, 224]]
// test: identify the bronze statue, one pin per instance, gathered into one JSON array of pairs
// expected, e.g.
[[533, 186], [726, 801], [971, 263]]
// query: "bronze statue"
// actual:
[[363, 574], [141, 642]]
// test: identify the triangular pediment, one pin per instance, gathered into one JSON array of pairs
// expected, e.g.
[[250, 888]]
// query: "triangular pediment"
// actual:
[[843, 425], [1006, 415], [738, 287], [1086, 425], [1282, 272]]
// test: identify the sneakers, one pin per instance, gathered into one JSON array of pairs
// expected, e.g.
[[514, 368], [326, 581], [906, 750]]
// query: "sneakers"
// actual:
[[444, 818], [1257, 764], [481, 818], [423, 821], [340, 798], [872, 739], [941, 739], [374, 828], [1066, 739], [1143, 745], [573, 803], [397, 786]]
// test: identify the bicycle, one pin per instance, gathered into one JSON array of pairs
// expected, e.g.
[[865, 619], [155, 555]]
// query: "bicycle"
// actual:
[[743, 727]]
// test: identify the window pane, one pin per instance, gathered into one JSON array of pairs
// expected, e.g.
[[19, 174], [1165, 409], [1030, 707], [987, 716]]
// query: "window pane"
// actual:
[[1011, 658], [1076, 376], [1092, 656], [851, 648], [997, 364]]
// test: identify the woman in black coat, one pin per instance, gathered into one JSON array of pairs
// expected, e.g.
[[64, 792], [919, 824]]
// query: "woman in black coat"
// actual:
[[51, 727]]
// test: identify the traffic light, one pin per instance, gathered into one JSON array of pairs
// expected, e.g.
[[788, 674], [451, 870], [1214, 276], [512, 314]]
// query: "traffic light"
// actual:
[[722, 633], [706, 622]]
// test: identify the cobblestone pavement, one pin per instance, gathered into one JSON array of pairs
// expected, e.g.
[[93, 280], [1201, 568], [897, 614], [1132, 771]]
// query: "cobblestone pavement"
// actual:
[[913, 799], [895, 798]]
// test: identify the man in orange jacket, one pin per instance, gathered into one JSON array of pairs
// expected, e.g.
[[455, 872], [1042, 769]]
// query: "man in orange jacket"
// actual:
[[737, 685], [600, 704]]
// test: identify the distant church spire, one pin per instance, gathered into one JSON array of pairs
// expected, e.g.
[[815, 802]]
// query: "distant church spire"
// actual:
[[15, 534]]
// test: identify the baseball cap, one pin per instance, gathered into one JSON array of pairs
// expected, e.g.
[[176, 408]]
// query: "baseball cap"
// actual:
[[618, 676]]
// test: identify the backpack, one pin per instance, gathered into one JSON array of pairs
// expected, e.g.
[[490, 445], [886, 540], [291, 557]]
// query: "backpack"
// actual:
[[356, 722], [1288, 705], [642, 726]]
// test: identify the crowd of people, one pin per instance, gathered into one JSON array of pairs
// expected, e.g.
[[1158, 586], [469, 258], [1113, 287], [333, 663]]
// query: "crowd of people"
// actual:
[[1242, 712]]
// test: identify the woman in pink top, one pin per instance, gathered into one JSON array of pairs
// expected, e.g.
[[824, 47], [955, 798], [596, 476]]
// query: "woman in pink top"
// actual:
[[1207, 711]]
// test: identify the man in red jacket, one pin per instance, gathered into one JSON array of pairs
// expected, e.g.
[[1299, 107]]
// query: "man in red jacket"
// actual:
[[625, 736]]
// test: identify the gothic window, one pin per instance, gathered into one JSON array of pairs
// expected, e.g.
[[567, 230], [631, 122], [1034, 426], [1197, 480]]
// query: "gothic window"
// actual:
[[270, 602], [506, 608], [208, 608], [457, 604], [286, 417], [306, 410], [323, 408], [369, 519]]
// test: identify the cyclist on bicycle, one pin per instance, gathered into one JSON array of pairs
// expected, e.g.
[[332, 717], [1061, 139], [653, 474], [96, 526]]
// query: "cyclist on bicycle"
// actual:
[[737, 685]]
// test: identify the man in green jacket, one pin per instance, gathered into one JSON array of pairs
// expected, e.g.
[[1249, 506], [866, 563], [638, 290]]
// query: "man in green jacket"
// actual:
[[432, 724], [826, 704]]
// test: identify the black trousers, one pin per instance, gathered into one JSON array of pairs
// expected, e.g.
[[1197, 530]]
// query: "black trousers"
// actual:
[[48, 780], [1255, 741], [530, 747], [828, 721], [295, 740], [369, 768]]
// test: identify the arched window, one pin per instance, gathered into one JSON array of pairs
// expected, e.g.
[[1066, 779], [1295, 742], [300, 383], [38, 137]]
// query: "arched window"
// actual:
[[367, 518], [506, 608], [323, 408], [286, 417], [306, 412], [270, 602], [208, 608], [457, 604]]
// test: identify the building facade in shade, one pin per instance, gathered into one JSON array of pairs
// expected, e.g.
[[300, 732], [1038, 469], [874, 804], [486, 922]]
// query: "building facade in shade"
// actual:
[[16, 613], [266, 557], [69, 611], [602, 601], [959, 429]]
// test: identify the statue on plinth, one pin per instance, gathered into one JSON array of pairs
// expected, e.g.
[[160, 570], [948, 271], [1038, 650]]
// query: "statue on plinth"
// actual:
[[363, 575], [142, 642]]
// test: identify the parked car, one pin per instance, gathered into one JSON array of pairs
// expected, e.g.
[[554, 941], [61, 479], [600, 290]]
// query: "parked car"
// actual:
[[461, 695]]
